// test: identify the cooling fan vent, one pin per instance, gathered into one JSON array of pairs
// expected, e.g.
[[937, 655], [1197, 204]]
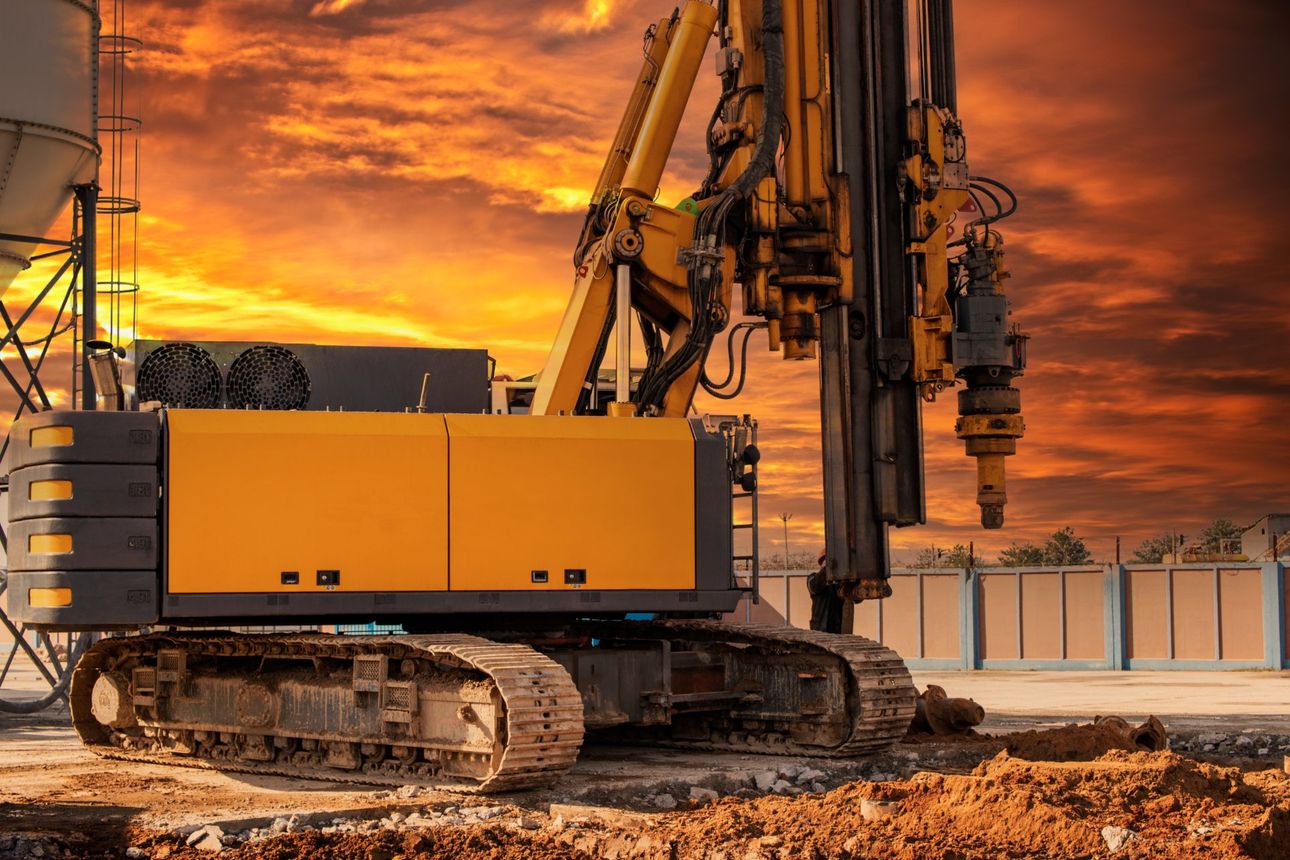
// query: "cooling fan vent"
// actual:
[[268, 377], [180, 375]]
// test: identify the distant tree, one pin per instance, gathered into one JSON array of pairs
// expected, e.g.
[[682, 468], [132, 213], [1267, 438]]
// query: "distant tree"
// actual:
[[934, 556], [1062, 547], [1221, 536], [1022, 555], [929, 557], [797, 560], [1153, 550], [1065, 547]]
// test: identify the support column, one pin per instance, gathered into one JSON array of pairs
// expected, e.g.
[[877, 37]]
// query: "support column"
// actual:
[[969, 639], [1113, 621], [1274, 616]]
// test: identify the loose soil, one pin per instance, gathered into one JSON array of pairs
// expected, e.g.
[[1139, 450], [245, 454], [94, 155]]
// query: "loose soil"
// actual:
[[1172, 806], [1037, 794]]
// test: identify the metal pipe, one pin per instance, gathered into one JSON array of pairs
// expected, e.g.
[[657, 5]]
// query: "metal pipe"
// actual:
[[105, 373], [795, 150], [623, 354], [671, 94], [89, 198]]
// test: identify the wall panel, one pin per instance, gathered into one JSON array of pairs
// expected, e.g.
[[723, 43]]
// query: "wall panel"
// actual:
[[1086, 615], [1193, 614], [998, 622], [1241, 613], [1041, 616], [941, 616], [1146, 622]]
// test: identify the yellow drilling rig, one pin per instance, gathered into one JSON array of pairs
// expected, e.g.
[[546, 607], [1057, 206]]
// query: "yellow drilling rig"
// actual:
[[513, 547]]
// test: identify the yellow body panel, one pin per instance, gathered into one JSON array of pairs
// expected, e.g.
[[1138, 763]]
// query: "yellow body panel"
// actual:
[[556, 493], [250, 495]]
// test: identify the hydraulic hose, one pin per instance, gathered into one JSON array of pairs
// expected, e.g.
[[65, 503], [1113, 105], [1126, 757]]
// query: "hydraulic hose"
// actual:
[[711, 223]]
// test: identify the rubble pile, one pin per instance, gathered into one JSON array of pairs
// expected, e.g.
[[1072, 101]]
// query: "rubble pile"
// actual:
[[1121, 803]]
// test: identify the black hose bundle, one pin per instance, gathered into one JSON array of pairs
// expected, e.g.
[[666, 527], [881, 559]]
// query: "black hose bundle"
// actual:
[[703, 258]]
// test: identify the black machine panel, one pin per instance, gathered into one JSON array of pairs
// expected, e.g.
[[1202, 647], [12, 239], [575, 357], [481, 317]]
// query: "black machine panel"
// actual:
[[182, 375], [259, 375]]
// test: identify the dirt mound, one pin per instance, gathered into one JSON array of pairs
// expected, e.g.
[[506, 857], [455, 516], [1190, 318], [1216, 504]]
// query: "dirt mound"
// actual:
[[1088, 741], [1132, 805]]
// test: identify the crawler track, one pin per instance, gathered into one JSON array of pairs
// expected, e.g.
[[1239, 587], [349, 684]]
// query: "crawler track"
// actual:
[[528, 735], [879, 693]]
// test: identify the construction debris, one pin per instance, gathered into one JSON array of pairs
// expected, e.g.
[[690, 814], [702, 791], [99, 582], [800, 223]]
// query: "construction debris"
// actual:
[[1088, 741], [937, 714], [1134, 804]]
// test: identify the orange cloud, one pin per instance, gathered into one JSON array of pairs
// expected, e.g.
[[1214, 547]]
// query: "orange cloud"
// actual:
[[413, 171]]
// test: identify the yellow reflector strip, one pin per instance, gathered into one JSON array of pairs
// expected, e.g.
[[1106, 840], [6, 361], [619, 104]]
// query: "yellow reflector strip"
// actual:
[[49, 491], [51, 437], [49, 597], [49, 544]]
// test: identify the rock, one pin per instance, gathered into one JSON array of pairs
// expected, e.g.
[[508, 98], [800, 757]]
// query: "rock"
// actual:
[[782, 786], [1116, 837], [809, 774], [1203, 830], [663, 801], [279, 825], [876, 810], [702, 795], [527, 823], [1210, 738], [765, 780], [790, 771], [1209, 747], [819, 787], [770, 841], [1264, 750], [396, 817], [1245, 741], [407, 791], [208, 838], [134, 853], [1162, 805]]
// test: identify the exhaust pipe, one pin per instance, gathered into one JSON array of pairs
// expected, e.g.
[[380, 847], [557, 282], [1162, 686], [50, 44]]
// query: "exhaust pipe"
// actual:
[[105, 370]]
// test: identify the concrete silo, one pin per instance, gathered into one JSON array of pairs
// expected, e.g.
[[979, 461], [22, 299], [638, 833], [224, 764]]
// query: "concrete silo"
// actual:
[[48, 70]]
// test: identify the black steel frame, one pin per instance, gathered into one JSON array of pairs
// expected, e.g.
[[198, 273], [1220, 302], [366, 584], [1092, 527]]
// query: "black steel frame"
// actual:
[[77, 276]]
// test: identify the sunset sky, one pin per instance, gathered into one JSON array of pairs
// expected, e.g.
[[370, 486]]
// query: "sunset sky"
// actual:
[[413, 172]]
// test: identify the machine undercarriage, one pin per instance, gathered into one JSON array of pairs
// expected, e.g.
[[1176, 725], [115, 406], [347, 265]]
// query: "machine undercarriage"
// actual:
[[492, 715]]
